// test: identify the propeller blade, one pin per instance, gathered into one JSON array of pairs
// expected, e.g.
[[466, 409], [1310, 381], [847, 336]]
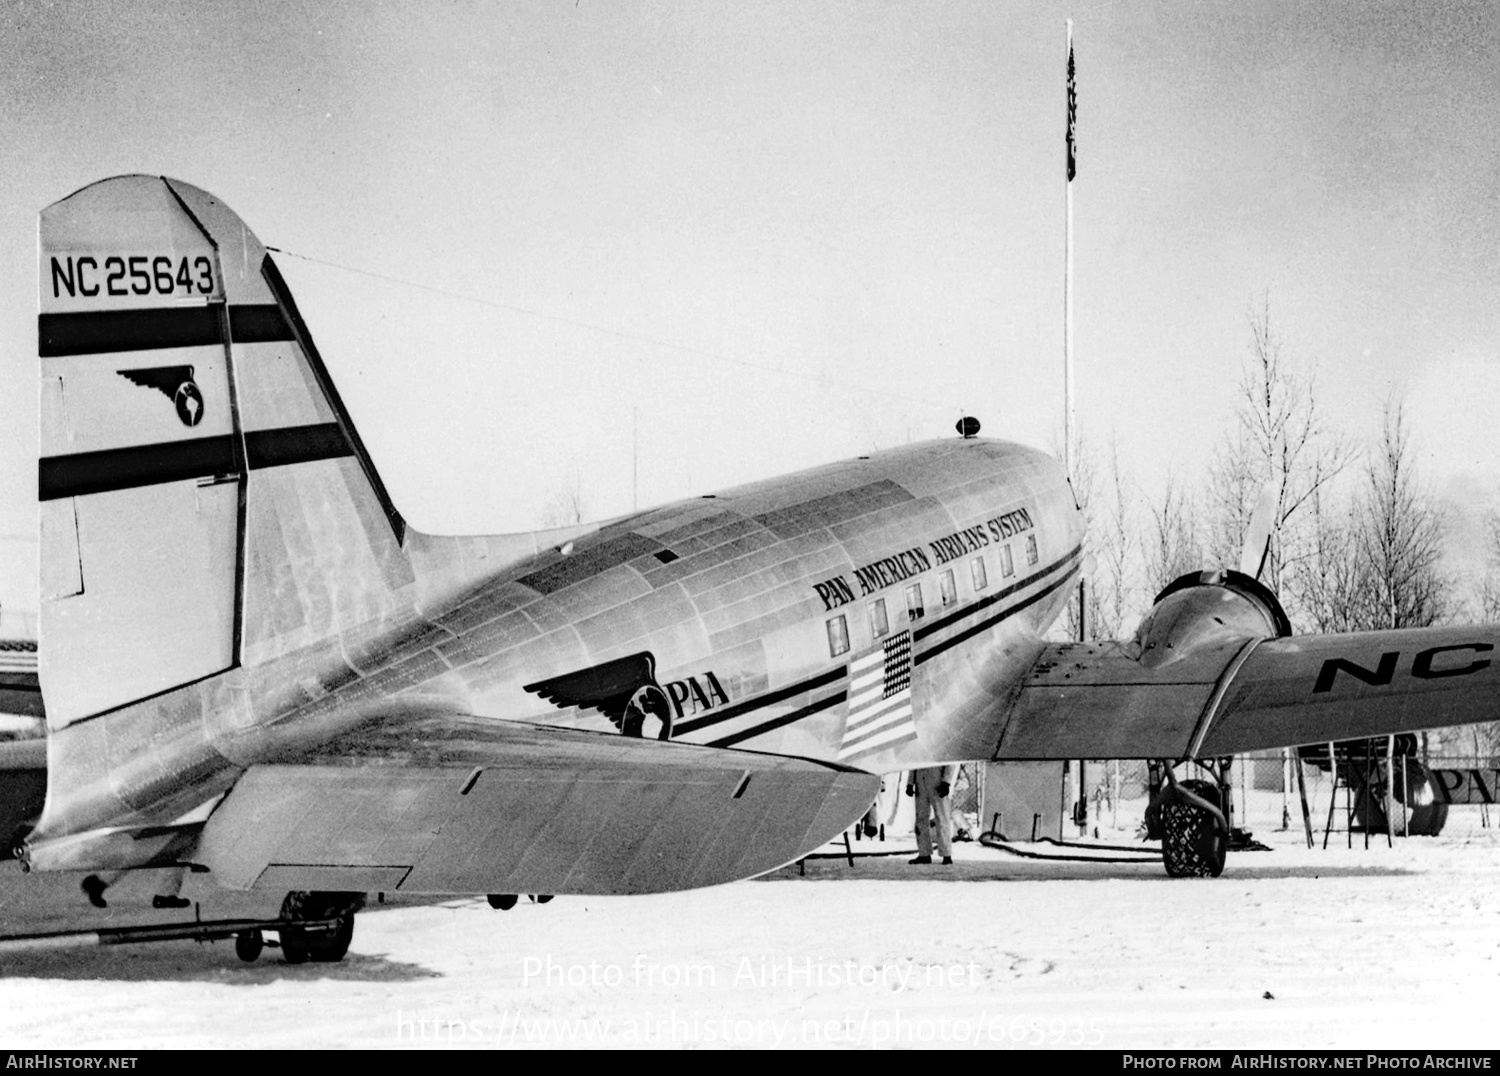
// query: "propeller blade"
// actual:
[[1258, 533]]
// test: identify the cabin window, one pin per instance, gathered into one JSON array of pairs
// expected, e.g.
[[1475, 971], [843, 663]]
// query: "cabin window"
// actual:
[[948, 587], [914, 601], [838, 636], [1031, 549], [879, 623], [1007, 563], [976, 569]]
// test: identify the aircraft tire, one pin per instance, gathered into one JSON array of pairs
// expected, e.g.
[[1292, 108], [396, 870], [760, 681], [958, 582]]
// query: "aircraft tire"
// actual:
[[293, 951], [1193, 846], [331, 948], [299, 945], [502, 902], [248, 945]]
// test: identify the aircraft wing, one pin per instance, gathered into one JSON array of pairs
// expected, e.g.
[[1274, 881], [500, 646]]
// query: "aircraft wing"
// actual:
[[1096, 700], [454, 804]]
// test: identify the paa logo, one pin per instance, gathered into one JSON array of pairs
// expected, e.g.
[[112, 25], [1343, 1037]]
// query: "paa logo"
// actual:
[[691, 696], [626, 691], [176, 384]]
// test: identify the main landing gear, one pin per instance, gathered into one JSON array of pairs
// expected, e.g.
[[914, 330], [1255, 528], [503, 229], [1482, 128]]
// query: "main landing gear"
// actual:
[[504, 902], [1191, 819]]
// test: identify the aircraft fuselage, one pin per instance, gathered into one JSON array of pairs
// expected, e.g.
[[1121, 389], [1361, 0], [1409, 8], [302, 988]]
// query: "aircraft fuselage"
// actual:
[[772, 612], [756, 613]]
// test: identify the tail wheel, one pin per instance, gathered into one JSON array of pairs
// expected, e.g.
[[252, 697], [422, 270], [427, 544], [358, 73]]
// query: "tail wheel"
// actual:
[[321, 945], [333, 945], [293, 947], [328, 939], [1194, 846]]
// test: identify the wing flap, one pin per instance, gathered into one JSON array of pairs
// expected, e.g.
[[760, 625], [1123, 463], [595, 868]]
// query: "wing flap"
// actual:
[[513, 808], [1095, 700]]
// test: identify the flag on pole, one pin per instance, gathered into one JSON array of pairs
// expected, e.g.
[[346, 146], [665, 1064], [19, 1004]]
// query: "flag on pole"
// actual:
[[1072, 112]]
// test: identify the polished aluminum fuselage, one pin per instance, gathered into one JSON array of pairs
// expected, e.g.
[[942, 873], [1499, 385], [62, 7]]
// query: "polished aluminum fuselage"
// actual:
[[731, 595]]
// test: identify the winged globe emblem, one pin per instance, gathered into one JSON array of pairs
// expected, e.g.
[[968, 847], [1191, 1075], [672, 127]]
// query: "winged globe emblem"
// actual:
[[624, 690], [176, 384]]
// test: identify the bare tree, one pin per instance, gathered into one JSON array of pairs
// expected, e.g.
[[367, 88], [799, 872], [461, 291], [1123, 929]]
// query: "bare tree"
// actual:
[[1115, 592], [1236, 476], [1105, 499], [1279, 438], [1378, 563], [1332, 581], [1489, 586], [565, 508], [1172, 545], [1401, 536]]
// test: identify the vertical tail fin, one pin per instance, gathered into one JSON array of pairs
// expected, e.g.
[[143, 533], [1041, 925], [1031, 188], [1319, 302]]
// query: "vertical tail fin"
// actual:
[[205, 500]]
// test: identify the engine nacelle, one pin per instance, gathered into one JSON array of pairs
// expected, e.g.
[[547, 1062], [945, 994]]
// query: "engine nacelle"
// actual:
[[1204, 607]]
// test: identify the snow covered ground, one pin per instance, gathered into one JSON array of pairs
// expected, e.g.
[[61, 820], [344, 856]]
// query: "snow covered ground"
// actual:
[[1379, 949]]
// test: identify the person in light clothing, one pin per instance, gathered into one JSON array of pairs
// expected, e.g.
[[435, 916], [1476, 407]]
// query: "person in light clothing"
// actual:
[[931, 786]]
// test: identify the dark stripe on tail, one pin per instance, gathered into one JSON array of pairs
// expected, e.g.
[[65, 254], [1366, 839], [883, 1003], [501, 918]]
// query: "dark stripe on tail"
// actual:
[[102, 332], [296, 444], [82, 473]]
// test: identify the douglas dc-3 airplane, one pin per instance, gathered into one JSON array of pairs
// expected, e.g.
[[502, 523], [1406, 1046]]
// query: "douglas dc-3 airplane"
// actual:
[[266, 691]]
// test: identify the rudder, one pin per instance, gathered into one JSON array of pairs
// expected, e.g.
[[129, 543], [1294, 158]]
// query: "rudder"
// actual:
[[206, 502]]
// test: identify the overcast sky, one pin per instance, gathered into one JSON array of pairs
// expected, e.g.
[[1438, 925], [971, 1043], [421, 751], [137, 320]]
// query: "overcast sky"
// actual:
[[727, 241]]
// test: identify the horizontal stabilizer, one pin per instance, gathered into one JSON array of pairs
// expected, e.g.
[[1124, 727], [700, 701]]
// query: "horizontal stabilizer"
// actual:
[[503, 807]]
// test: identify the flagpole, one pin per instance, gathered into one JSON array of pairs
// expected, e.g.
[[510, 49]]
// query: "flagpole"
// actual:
[[1078, 785], [1068, 272]]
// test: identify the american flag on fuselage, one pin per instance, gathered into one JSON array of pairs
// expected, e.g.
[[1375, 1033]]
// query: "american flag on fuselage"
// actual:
[[879, 699]]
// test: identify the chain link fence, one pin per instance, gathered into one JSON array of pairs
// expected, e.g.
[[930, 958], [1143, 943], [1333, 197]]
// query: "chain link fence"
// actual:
[[1266, 796]]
